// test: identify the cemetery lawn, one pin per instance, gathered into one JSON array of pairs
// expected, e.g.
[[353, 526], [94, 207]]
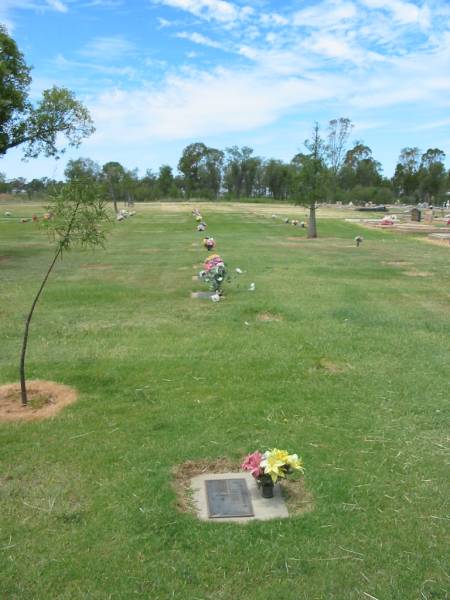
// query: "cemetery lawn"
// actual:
[[353, 374]]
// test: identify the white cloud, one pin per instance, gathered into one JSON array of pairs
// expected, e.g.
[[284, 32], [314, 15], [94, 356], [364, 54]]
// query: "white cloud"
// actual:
[[9, 7], [108, 48], [326, 15], [405, 13], [57, 5], [198, 38], [273, 19], [62, 63], [202, 103], [211, 10]]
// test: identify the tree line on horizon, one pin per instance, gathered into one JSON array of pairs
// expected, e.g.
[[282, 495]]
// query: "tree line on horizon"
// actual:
[[345, 175]]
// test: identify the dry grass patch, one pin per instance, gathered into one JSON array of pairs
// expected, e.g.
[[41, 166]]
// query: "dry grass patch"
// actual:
[[183, 473], [45, 400], [96, 266], [324, 364], [267, 317], [417, 273], [396, 263]]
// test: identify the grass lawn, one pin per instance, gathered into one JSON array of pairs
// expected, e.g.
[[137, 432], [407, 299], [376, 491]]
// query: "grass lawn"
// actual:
[[353, 375]]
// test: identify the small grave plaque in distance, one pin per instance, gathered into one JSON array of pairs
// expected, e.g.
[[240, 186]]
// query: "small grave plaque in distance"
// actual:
[[228, 498]]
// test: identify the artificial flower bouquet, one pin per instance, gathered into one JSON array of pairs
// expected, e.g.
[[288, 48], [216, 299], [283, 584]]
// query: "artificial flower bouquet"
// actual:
[[213, 273], [209, 243], [271, 466]]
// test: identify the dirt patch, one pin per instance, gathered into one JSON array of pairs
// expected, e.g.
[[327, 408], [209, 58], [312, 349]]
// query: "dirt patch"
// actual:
[[324, 364], [3, 258], [268, 317], [417, 273], [396, 263], [182, 475], [298, 499], [150, 250], [45, 400]]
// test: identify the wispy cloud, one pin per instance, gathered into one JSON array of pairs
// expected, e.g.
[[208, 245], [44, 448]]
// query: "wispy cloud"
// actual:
[[108, 48], [57, 5], [63, 63], [211, 10], [203, 103], [8, 8], [198, 38]]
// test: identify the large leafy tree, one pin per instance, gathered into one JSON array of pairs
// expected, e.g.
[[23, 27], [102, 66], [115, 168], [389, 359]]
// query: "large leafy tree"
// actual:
[[359, 168], [241, 171], [406, 177], [433, 176], [201, 168], [36, 128], [114, 176]]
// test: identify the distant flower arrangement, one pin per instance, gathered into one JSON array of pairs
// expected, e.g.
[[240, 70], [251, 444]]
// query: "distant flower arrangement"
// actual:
[[213, 273], [271, 466], [209, 243]]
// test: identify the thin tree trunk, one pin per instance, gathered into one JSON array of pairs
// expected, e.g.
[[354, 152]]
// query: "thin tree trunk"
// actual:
[[23, 388], [312, 228], [112, 191]]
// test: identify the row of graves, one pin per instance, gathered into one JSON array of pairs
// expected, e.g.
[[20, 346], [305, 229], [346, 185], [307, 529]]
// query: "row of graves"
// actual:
[[214, 272], [227, 492]]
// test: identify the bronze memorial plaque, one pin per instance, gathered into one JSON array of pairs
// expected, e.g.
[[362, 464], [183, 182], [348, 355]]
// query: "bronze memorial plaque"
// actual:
[[228, 498]]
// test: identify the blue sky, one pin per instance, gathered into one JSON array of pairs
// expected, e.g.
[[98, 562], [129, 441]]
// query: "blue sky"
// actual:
[[160, 74]]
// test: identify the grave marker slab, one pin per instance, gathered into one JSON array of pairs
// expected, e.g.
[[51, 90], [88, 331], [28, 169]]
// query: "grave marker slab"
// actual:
[[202, 295], [228, 498]]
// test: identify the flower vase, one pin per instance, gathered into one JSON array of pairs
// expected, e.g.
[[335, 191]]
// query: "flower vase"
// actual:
[[267, 489]]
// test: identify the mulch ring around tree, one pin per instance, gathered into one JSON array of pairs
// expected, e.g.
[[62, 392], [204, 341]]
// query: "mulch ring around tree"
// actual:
[[298, 499], [45, 400]]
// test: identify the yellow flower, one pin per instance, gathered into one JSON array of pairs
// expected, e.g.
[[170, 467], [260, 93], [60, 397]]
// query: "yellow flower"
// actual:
[[294, 462], [280, 455]]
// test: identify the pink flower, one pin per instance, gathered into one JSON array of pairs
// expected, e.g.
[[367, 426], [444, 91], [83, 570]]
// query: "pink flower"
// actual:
[[252, 462]]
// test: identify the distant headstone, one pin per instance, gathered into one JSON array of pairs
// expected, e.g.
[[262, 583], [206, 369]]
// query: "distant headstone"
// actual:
[[416, 215], [228, 498], [202, 295]]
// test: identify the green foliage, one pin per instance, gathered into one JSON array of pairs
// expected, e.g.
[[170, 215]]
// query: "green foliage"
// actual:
[[36, 128], [78, 216], [202, 170]]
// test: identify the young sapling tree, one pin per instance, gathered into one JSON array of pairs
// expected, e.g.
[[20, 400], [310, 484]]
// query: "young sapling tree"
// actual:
[[75, 218]]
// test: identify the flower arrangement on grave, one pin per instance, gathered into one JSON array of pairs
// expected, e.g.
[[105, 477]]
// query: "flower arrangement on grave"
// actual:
[[269, 467], [209, 243], [213, 273]]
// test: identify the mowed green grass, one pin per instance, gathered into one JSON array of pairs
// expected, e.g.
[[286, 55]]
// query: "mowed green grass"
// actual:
[[354, 377]]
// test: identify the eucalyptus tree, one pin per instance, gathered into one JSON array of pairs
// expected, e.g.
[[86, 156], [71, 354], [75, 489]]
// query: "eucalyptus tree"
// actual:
[[241, 171], [201, 168], [337, 137], [114, 176], [406, 177], [433, 178], [37, 128]]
